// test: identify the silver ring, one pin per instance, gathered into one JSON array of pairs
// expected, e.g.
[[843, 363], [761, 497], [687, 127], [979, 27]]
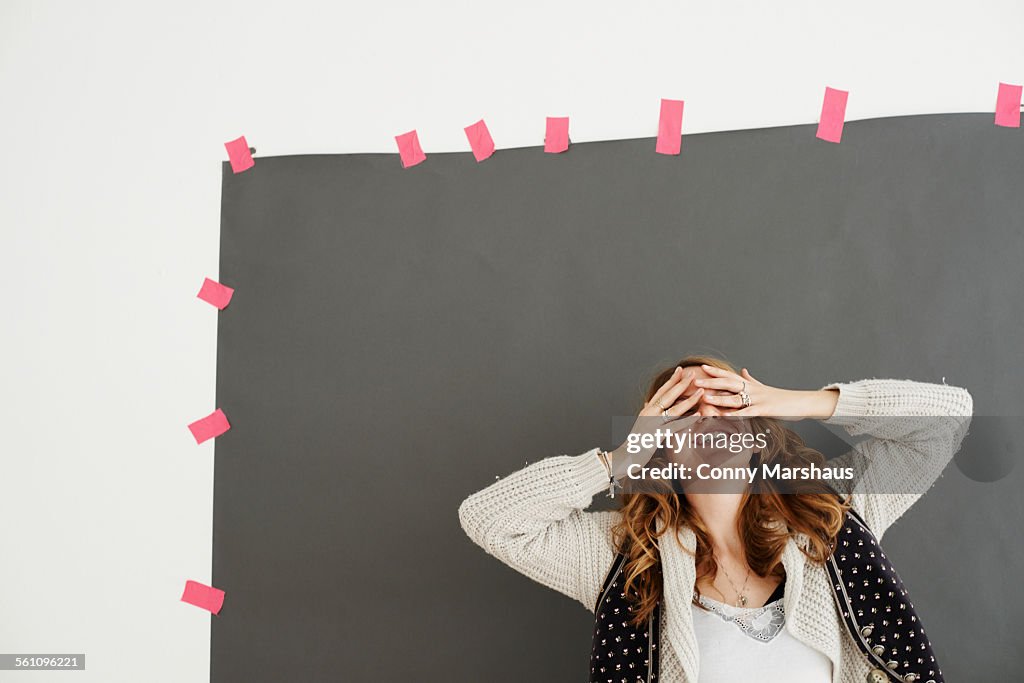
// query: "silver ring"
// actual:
[[745, 397], [665, 416]]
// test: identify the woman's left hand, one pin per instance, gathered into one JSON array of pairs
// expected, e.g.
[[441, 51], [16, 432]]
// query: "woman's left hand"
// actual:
[[763, 400]]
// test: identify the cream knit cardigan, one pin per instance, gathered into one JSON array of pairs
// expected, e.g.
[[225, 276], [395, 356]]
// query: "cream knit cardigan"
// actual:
[[535, 521]]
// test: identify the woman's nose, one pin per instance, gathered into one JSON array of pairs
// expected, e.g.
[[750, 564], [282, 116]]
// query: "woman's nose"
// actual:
[[708, 410]]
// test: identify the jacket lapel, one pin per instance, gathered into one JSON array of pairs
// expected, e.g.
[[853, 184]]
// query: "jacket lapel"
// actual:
[[809, 623], [679, 575]]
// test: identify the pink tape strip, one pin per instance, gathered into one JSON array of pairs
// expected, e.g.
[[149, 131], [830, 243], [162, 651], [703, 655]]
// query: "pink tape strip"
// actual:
[[201, 595], [409, 149], [556, 137], [1008, 105], [670, 127], [480, 140], [215, 293], [833, 114], [213, 425], [238, 155]]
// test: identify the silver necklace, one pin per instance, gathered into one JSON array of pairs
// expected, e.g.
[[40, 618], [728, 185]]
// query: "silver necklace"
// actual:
[[741, 599]]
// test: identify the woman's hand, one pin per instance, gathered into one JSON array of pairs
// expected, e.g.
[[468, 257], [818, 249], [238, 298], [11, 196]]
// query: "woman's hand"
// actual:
[[763, 400], [662, 412]]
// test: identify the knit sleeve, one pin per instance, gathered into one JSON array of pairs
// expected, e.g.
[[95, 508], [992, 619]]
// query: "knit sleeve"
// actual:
[[914, 429], [534, 521]]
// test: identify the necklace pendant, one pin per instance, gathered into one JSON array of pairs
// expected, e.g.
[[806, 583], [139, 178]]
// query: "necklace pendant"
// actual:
[[742, 600]]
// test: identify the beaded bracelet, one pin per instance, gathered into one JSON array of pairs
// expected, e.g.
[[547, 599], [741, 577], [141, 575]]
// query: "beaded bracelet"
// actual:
[[604, 456]]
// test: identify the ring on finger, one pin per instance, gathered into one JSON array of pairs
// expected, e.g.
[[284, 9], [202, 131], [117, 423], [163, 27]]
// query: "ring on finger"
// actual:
[[661, 405], [745, 397], [665, 416]]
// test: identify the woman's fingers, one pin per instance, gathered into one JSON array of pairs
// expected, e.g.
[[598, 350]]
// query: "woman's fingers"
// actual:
[[669, 396], [733, 384], [672, 389], [737, 381], [674, 392], [719, 372], [724, 380], [724, 400], [669, 383], [687, 404]]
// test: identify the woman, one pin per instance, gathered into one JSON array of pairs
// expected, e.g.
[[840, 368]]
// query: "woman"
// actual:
[[737, 577]]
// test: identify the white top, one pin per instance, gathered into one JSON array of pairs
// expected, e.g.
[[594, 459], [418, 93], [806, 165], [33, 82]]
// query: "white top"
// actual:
[[737, 645], [535, 520]]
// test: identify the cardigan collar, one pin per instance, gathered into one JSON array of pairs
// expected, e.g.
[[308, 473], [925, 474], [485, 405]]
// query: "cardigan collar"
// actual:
[[679, 578]]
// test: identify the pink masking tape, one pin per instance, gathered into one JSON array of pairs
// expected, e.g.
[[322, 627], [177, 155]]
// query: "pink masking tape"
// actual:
[[833, 114], [215, 293], [201, 595], [670, 127], [556, 137], [409, 149], [1008, 105], [213, 425], [238, 154], [480, 140]]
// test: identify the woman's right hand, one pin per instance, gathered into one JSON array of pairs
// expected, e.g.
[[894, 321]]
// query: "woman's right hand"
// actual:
[[662, 412]]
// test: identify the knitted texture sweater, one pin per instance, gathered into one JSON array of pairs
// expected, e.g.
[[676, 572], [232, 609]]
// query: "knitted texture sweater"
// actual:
[[535, 520]]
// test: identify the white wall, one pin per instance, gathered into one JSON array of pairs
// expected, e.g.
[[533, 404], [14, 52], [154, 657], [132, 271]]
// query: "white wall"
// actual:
[[111, 131]]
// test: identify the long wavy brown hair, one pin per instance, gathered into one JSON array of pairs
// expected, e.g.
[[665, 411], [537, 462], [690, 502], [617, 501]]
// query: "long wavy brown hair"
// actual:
[[766, 520]]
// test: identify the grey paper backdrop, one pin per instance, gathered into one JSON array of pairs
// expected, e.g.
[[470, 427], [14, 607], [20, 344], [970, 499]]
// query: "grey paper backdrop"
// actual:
[[400, 337]]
